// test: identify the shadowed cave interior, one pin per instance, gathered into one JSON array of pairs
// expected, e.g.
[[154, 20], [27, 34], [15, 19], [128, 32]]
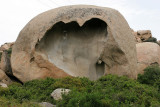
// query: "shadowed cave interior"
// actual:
[[75, 49]]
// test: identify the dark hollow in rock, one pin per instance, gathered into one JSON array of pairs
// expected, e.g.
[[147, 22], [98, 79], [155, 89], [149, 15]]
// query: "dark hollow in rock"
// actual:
[[76, 49]]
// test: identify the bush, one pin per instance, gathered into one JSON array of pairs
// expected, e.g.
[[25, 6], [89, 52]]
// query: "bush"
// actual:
[[113, 91], [43, 88], [108, 91], [151, 76], [10, 102], [4, 102], [152, 39], [80, 84], [9, 51], [36, 90]]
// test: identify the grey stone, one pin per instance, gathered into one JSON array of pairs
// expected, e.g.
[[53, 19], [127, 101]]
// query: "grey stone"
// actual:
[[3, 85], [57, 94], [46, 104]]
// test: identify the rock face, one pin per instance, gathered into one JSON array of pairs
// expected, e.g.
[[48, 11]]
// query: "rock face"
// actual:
[[77, 40], [6, 46], [57, 94], [137, 39], [147, 54], [142, 35], [4, 79], [158, 42], [5, 63]]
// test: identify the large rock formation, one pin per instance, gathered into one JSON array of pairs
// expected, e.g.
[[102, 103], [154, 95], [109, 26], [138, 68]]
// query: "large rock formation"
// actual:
[[148, 53], [5, 64], [6, 46], [142, 35], [79, 40]]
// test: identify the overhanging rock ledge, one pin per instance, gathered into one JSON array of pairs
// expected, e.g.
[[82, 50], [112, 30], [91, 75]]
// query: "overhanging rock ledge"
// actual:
[[80, 40]]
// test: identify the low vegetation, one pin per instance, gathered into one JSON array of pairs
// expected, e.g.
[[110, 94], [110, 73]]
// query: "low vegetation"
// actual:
[[151, 76], [152, 39], [108, 91], [9, 51]]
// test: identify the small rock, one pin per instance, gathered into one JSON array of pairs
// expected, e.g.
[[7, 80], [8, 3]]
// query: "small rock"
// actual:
[[57, 94], [4, 78], [3, 85], [6, 46], [144, 34], [46, 104]]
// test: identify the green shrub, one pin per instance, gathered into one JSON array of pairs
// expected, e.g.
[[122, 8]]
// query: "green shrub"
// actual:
[[108, 91], [5, 102], [152, 39], [81, 84], [9, 51], [151, 76], [113, 91], [36, 90], [3, 91]]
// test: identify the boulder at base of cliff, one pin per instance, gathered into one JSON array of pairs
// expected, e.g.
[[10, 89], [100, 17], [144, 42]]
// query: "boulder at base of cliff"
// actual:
[[4, 78], [148, 53]]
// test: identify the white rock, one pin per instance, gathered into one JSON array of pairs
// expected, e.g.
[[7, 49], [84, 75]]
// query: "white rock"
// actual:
[[3, 85], [57, 94], [46, 104]]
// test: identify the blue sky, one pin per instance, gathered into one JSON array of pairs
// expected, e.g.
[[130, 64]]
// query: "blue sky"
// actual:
[[15, 14]]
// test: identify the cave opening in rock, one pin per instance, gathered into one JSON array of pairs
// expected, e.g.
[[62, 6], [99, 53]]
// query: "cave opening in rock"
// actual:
[[75, 49], [100, 69]]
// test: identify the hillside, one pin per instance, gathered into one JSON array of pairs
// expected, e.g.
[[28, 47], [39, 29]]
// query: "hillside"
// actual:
[[108, 91]]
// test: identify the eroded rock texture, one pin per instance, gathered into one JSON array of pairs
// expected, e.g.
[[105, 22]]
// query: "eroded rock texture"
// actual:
[[74, 48], [142, 35], [5, 63], [4, 79], [147, 54], [79, 40]]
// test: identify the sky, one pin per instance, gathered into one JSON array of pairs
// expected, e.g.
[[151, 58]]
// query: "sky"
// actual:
[[15, 14]]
